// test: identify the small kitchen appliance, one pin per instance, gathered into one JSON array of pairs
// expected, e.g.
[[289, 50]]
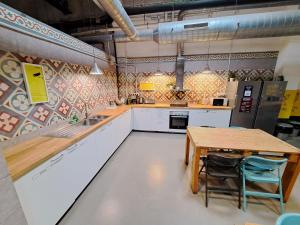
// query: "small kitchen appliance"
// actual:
[[219, 101], [179, 120]]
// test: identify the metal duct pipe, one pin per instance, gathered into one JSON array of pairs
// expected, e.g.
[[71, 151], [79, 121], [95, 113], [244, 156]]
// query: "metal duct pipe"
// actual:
[[143, 35], [115, 9], [258, 25], [180, 44], [187, 5], [271, 24]]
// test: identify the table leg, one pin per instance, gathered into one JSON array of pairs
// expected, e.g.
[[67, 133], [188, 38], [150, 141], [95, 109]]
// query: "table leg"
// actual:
[[290, 175], [195, 170], [187, 149]]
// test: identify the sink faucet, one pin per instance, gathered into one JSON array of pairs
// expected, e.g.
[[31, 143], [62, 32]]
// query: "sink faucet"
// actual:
[[86, 110]]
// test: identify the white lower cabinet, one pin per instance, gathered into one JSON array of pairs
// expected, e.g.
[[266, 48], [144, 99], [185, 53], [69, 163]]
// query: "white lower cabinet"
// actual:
[[45, 192], [49, 190], [146, 119], [158, 119], [143, 119], [214, 118]]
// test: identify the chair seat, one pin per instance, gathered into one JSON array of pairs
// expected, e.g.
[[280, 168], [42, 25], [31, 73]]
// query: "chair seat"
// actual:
[[225, 173], [264, 177]]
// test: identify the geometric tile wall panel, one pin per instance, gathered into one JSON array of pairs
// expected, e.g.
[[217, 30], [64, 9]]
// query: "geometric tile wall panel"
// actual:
[[40, 114], [69, 87], [10, 121], [258, 65]]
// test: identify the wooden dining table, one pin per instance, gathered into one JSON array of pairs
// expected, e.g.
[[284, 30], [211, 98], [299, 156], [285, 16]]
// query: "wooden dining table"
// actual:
[[247, 141]]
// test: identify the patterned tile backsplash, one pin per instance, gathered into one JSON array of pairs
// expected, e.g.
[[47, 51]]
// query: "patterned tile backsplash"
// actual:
[[251, 65], [70, 87]]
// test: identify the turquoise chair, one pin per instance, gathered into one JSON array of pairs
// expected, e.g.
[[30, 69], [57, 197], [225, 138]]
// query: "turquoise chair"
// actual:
[[289, 219], [262, 170]]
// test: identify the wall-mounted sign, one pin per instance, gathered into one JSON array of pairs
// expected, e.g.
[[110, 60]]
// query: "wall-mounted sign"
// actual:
[[248, 91], [35, 83], [246, 102]]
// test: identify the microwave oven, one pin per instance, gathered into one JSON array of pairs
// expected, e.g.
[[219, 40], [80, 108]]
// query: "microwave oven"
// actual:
[[219, 101]]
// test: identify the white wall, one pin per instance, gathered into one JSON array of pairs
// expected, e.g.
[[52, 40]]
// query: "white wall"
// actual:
[[150, 48], [288, 63]]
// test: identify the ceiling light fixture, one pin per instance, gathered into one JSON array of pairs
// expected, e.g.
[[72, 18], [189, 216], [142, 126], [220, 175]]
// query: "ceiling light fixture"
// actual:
[[95, 70], [207, 69], [158, 72]]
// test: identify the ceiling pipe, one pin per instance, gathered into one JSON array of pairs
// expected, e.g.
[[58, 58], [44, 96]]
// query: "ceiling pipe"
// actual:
[[72, 26], [258, 25], [180, 44], [187, 5], [115, 9]]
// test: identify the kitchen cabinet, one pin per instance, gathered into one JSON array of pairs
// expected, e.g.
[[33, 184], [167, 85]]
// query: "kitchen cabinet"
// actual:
[[142, 119], [118, 130], [160, 120], [50, 189], [146, 119], [214, 118], [45, 192]]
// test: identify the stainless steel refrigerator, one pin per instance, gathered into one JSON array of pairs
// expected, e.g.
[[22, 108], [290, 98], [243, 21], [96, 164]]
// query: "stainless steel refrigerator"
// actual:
[[256, 104]]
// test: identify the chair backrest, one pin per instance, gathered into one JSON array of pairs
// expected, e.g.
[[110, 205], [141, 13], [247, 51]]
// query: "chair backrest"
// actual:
[[223, 160], [288, 219], [260, 163]]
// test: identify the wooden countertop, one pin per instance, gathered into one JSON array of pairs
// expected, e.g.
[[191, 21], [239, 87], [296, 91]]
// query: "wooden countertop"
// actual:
[[27, 155], [24, 157], [190, 106], [239, 139]]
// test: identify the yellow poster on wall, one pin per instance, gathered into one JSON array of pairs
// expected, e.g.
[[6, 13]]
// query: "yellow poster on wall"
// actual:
[[287, 105], [296, 106], [35, 83]]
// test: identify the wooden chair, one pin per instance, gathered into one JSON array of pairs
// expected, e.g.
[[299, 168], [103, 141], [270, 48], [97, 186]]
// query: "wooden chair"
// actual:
[[222, 167]]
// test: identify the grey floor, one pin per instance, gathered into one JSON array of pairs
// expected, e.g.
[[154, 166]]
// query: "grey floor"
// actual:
[[146, 182]]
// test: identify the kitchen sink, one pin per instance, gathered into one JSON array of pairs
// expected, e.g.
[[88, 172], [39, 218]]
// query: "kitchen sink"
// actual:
[[90, 121], [99, 117], [70, 131]]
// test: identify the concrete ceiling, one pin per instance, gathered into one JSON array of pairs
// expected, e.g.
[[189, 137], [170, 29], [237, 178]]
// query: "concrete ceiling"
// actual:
[[61, 14]]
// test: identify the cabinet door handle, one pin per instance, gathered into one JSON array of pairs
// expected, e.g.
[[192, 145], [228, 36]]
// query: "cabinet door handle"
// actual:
[[36, 176], [72, 148], [54, 161]]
